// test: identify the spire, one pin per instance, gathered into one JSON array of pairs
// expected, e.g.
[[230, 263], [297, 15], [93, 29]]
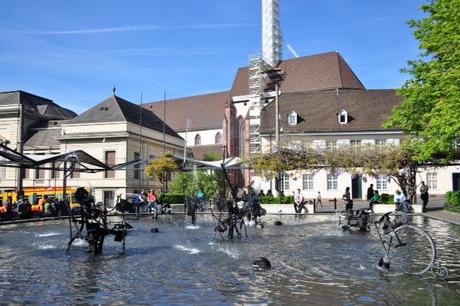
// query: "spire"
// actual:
[[113, 90]]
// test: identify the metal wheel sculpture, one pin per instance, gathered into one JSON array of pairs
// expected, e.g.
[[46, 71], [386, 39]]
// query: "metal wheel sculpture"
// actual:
[[92, 226], [407, 248]]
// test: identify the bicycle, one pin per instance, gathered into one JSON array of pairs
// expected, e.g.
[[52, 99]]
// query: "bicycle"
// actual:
[[407, 248]]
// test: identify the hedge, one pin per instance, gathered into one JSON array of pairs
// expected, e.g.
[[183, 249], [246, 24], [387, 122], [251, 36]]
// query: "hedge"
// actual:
[[277, 200], [452, 201], [172, 198]]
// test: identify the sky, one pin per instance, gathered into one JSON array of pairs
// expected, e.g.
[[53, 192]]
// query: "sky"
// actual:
[[74, 52]]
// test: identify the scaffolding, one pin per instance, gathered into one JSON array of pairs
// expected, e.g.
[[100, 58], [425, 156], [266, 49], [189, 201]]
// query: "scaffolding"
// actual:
[[255, 75]]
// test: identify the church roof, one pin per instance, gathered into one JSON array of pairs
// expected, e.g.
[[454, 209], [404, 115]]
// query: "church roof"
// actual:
[[309, 73], [116, 109], [204, 112]]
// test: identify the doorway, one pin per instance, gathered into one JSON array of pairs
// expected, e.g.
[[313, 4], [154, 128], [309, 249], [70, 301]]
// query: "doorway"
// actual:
[[109, 198], [356, 187], [455, 181]]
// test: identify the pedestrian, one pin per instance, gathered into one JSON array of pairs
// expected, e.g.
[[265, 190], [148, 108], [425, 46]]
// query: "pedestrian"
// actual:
[[201, 198], [370, 192], [151, 202], [298, 201], [376, 199], [318, 199], [402, 204], [424, 195], [347, 198]]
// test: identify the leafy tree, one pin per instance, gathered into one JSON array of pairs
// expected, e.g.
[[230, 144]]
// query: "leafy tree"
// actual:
[[212, 156], [160, 168], [189, 184], [431, 107]]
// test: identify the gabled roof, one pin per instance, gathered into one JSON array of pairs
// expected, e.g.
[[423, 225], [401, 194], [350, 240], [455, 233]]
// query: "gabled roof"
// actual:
[[116, 109], [42, 106], [317, 111], [310, 73], [204, 111]]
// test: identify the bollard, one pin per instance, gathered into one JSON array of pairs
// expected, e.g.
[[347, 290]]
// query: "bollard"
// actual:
[[314, 206], [335, 204]]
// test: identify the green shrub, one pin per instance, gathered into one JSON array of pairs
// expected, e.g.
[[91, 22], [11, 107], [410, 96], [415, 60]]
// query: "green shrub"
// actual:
[[277, 200], [172, 198], [388, 199], [453, 201]]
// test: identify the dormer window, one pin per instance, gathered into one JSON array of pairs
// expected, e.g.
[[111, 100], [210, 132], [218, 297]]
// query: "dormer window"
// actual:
[[343, 116], [292, 118]]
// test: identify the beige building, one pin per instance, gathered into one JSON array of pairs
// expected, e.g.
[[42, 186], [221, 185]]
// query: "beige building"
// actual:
[[114, 131]]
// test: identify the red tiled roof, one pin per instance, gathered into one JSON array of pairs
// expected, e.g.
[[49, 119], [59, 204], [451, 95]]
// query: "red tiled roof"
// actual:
[[316, 72], [317, 111], [204, 112]]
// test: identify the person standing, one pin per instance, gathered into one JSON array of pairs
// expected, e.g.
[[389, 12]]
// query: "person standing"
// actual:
[[152, 202], [298, 201], [424, 195], [347, 198], [370, 192], [318, 199]]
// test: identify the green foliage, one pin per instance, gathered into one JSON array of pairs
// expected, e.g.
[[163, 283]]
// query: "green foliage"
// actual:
[[277, 200], [189, 184], [431, 107], [212, 156], [452, 201], [172, 198], [388, 199], [159, 168]]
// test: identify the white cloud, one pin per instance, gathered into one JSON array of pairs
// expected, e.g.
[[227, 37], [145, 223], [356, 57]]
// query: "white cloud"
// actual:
[[126, 29]]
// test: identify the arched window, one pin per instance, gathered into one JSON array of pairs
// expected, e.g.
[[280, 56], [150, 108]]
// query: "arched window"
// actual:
[[218, 138], [197, 139], [241, 136], [343, 116]]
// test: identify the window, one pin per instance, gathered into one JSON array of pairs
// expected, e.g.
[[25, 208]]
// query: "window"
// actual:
[[380, 143], [2, 169], [307, 181], [197, 139], [382, 183], [218, 138], [355, 145], [295, 145], [54, 171], [331, 145], [432, 181], [39, 174], [136, 167], [286, 181], [292, 118], [76, 171], [332, 182], [343, 116], [110, 161], [241, 136], [255, 139]]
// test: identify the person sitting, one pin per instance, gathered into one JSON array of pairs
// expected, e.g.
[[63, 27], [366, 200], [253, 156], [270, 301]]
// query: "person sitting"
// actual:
[[269, 193], [376, 199], [261, 194], [298, 201]]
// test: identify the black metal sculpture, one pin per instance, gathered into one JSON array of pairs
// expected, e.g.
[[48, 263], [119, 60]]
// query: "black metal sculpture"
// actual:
[[230, 219], [92, 225]]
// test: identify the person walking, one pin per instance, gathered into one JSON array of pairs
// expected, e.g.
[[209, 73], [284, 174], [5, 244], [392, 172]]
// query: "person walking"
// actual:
[[152, 202], [424, 195], [370, 192], [318, 199], [376, 199], [298, 201]]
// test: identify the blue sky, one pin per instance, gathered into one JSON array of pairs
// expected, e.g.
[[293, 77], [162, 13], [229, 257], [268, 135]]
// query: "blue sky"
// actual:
[[73, 52]]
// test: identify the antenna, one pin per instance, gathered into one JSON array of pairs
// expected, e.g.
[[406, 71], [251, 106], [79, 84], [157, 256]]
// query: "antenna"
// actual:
[[140, 137], [291, 49]]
